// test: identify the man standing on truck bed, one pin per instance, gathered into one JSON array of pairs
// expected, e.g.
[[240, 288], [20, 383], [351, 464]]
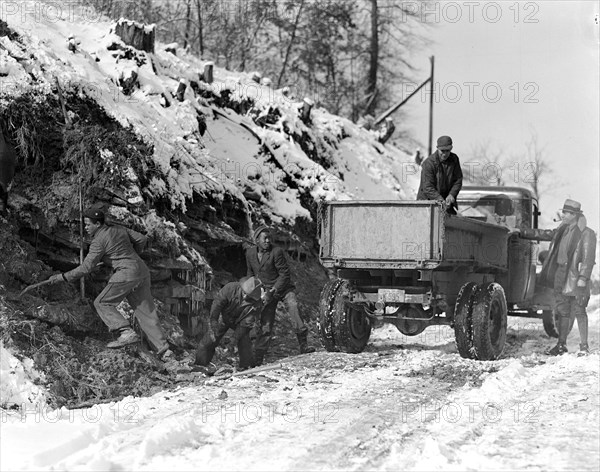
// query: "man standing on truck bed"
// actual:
[[567, 269], [118, 248], [270, 265], [441, 176]]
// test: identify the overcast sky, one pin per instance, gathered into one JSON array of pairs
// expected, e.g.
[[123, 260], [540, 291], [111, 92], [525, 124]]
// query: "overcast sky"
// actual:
[[505, 70]]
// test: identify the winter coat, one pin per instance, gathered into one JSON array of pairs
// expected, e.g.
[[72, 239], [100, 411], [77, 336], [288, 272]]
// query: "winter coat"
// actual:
[[8, 160], [583, 260], [118, 248], [438, 180], [580, 255], [273, 270], [230, 303]]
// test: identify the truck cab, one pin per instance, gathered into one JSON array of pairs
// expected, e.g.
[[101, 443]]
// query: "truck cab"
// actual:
[[514, 208]]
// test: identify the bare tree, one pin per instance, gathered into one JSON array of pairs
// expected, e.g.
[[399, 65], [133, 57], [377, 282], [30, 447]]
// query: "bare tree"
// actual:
[[485, 165], [351, 55], [536, 168], [291, 44]]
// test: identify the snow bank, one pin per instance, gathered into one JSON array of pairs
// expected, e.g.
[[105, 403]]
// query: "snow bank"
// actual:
[[18, 382]]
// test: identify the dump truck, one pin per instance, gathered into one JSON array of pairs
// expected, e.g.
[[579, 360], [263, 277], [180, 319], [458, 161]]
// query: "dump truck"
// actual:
[[411, 264]]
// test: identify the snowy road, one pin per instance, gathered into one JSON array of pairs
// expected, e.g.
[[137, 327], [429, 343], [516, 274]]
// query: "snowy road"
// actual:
[[405, 403]]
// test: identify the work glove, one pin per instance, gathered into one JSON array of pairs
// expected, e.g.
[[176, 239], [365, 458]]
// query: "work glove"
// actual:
[[450, 201], [256, 330], [268, 297], [581, 295], [211, 333], [53, 279]]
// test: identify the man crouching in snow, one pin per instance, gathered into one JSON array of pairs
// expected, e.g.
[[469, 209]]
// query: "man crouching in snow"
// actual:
[[238, 304], [118, 247]]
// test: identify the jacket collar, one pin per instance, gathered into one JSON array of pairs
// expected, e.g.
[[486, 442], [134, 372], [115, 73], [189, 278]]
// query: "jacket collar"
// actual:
[[438, 160]]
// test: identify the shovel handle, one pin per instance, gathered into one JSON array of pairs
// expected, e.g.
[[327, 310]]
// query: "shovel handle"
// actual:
[[34, 286]]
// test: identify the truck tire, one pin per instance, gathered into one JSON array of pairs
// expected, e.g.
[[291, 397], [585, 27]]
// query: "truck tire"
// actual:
[[550, 323], [351, 325], [463, 320], [326, 313], [489, 321]]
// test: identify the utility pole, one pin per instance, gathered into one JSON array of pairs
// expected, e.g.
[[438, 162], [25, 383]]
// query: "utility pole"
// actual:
[[432, 85], [394, 107]]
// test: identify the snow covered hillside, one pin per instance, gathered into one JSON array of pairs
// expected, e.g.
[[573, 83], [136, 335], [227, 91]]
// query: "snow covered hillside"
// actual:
[[224, 159]]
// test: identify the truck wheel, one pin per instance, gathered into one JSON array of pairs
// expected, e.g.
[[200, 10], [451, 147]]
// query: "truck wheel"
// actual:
[[489, 322], [351, 326], [550, 323], [326, 313], [463, 320]]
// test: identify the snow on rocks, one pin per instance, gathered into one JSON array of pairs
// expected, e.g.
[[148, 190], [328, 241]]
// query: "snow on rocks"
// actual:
[[350, 161], [18, 381]]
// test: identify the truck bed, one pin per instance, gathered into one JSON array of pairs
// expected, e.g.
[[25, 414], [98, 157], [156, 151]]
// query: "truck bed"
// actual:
[[406, 235]]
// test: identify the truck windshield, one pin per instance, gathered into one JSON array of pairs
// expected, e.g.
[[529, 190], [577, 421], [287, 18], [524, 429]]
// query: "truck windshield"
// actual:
[[499, 209]]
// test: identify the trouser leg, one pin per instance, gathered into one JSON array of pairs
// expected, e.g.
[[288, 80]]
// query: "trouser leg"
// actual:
[[291, 303], [564, 311], [582, 321], [563, 306], [244, 347], [106, 304], [140, 299], [207, 346], [267, 318]]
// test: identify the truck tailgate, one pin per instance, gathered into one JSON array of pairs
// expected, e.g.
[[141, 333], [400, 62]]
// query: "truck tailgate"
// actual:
[[363, 233]]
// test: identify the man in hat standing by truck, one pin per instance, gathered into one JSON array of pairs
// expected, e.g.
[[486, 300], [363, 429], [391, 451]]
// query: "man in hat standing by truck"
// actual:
[[441, 176], [118, 248], [270, 265], [567, 269]]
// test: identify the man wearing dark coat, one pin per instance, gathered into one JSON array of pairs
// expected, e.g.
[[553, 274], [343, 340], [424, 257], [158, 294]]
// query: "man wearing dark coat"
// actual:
[[441, 176], [567, 269], [270, 265], [236, 307]]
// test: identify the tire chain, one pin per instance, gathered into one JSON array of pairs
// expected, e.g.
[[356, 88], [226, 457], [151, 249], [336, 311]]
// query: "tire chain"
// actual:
[[327, 313], [463, 323]]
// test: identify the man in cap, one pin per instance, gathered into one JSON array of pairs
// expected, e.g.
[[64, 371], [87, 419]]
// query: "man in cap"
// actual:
[[441, 176], [118, 248], [567, 269], [236, 306], [270, 265]]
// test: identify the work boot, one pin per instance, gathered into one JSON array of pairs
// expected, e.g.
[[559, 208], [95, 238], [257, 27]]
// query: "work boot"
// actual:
[[128, 336], [303, 341], [584, 350], [564, 327], [207, 370], [558, 350], [259, 357]]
